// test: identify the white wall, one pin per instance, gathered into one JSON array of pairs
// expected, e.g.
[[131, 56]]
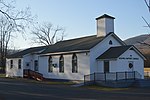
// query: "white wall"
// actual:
[[19, 72], [100, 49], [122, 65], [14, 71], [138, 63], [30, 59], [83, 67], [27, 59], [105, 26]]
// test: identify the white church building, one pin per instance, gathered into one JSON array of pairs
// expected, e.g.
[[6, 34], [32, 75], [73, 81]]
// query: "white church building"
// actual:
[[74, 58]]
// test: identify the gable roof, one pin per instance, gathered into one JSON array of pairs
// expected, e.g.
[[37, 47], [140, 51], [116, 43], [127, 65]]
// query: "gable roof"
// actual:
[[78, 44], [115, 52], [116, 37], [26, 51], [82, 44]]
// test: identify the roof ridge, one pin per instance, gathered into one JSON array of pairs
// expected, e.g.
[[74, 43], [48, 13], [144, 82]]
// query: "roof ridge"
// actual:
[[77, 38]]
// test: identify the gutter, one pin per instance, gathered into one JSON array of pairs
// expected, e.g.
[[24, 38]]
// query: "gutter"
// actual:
[[70, 52]]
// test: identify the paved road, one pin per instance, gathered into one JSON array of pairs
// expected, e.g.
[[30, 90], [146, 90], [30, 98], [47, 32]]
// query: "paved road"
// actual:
[[20, 90]]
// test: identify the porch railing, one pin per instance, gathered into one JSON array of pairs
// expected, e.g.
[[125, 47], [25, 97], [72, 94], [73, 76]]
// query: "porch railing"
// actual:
[[115, 76], [27, 73]]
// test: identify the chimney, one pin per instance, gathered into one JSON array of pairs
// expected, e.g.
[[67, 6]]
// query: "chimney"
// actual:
[[105, 25]]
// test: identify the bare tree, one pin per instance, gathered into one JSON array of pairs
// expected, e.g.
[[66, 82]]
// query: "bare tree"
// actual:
[[5, 33], [47, 34], [147, 2], [11, 22], [18, 18]]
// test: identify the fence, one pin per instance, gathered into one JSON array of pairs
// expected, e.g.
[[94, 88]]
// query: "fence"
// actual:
[[115, 76], [27, 73]]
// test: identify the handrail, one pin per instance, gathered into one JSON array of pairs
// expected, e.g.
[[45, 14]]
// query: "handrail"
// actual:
[[32, 74], [115, 76]]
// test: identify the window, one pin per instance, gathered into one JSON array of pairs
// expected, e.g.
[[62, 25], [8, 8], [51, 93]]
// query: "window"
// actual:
[[131, 66], [61, 64], [27, 64], [74, 64], [131, 49], [36, 65], [19, 64], [50, 64], [11, 63], [110, 42]]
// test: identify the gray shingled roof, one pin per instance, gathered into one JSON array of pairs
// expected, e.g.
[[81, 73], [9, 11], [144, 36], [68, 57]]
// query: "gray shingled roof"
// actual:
[[114, 52], [26, 51], [78, 44], [84, 43]]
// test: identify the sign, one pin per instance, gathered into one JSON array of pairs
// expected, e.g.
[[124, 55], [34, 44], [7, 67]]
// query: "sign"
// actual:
[[129, 58]]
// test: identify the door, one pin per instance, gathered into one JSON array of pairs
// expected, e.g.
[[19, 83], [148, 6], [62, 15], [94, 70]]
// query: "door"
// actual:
[[106, 66]]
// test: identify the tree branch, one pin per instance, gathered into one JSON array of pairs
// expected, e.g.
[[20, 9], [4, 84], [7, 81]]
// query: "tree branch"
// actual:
[[146, 22], [148, 5], [47, 34]]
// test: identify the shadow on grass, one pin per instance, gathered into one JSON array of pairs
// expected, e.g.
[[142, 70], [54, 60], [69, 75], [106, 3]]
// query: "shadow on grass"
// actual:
[[27, 80]]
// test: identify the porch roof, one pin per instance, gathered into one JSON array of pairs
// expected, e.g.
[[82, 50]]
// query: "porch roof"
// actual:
[[114, 52]]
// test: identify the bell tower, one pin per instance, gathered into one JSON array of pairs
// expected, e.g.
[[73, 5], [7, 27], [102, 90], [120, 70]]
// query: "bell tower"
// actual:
[[105, 25]]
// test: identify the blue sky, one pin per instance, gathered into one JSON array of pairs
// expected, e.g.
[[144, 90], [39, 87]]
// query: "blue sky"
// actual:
[[78, 16]]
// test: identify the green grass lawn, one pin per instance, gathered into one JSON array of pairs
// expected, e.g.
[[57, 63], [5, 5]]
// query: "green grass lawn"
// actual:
[[58, 83], [2, 75], [96, 87], [50, 82]]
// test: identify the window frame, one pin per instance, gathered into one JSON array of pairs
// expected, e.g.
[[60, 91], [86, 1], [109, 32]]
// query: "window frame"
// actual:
[[61, 64], [50, 64], [74, 63], [36, 65], [19, 63], [11, 64], [110, 42]]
